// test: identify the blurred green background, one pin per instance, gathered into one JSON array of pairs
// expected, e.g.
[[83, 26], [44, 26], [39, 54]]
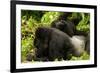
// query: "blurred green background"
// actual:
[[30, 20]]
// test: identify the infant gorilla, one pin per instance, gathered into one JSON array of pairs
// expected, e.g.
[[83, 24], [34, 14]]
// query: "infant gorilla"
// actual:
[[52, 44]]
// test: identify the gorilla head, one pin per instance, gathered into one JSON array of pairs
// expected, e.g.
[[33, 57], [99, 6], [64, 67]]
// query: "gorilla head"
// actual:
[[65, 26]]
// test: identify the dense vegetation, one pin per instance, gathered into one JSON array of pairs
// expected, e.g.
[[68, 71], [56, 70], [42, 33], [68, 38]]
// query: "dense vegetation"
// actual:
[[30, 20]]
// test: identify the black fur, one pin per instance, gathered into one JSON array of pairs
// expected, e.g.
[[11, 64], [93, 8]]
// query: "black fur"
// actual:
[[65, 26], [68, 27], [52, 44]]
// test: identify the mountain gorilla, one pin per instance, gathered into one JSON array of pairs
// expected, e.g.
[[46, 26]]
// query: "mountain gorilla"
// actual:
[[52, 44]]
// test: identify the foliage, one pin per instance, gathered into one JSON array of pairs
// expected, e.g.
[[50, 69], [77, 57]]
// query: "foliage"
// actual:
[[30, 20], [26, 47], [48, 17], [84, 56], [83, 25]]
